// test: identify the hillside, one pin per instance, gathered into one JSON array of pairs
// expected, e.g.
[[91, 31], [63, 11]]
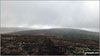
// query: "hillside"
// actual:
[[58, 41], [62, 32]]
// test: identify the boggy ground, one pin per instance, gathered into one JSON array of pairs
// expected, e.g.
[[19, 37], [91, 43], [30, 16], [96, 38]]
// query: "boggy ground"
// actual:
[[46, 45]]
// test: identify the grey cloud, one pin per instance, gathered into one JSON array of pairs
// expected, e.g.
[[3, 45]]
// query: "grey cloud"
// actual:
[[78, 14]]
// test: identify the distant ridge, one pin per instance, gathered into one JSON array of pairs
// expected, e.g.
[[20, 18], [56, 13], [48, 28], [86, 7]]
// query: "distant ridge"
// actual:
[[11, 29], [62, 32]]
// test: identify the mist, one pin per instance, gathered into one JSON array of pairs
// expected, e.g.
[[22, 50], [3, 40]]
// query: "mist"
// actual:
[[50, 14]]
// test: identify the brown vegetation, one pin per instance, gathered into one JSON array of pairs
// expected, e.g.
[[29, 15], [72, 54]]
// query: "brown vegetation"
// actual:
[[45, 45]]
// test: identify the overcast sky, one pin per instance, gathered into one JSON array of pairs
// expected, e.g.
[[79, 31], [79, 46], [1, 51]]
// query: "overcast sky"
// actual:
[[50, 14]]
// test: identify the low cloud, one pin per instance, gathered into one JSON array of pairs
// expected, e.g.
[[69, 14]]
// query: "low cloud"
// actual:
[[50, 14]]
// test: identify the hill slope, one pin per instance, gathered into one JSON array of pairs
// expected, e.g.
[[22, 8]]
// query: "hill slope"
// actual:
[[61, 32], [49, 42]]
